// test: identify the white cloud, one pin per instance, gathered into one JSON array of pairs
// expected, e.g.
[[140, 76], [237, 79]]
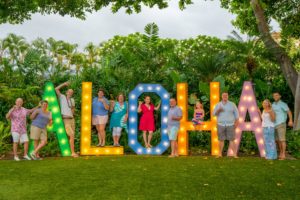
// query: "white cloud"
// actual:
[[201, 18]]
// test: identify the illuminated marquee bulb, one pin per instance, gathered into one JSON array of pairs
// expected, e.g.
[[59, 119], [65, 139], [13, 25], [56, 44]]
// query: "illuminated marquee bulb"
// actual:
[[139, 150], [247, 87], [256, 119], [158, 88], [166, 143], [86, 107], [166, 96], [165, 120], [55, 110], [248, 126], [150, 88], [141, 88], [214, 96], [57, 120], [86, 97], [132, 131], [132, 119], [63, 141], [132, 108], [241, 119], [261, 141], [250, 98], [158, 150], [165, 108], [148, 150], [132, 96], [49, 88], [182, 139], [60, 130], [165, 131], [242, 108], [180, 97], [132, 142]]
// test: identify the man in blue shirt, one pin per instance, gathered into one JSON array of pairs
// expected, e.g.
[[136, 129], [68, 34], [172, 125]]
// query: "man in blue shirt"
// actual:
[[174, 116], [228, 115], [281, 110]]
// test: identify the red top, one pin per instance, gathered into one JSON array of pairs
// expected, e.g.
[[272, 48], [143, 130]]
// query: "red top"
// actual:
[[147, 118]]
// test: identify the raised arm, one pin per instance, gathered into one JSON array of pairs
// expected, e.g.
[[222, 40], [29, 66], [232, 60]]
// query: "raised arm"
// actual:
[[9, 113], [157, 107], [34, 114], [57, 89]]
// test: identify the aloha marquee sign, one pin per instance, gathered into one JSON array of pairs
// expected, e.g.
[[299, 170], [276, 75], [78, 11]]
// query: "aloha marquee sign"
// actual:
[[247, 104]]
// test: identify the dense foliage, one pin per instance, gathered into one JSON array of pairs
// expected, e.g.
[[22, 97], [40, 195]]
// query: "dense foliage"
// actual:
[[119, 64]]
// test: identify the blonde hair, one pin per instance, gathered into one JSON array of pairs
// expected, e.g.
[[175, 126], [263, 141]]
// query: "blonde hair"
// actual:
[[269, 103], [201, 105]]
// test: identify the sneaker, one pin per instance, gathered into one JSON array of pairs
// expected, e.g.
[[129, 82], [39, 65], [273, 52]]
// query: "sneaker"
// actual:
[[33, 156], [27, 157], [16, 158]]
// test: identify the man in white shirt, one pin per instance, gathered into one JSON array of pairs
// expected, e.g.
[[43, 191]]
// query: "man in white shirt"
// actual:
[[67, 107]]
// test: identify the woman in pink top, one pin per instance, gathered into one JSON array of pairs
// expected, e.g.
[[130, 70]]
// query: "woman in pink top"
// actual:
[[17, 114], [147, 119]]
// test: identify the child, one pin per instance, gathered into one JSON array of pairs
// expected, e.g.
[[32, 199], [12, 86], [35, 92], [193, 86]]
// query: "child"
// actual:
[[198, 114]]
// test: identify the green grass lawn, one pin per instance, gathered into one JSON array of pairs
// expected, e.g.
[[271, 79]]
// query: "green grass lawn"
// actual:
[[143, 177]]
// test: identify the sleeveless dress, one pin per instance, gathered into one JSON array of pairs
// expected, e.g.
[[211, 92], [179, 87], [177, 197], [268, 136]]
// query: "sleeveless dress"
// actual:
[[118, 115], [197, 120], [147, 118], [269, 137]]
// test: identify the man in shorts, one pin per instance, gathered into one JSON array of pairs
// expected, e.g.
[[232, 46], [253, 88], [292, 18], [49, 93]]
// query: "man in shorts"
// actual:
[[228, 115], [17, 114], [174, 116], [281, 110], [67, 107]]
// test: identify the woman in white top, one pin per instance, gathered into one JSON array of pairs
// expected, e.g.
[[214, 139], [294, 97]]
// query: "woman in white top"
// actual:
[[268, 118]]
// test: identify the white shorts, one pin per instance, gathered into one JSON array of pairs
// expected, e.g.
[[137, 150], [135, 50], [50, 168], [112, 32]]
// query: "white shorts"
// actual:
[[117, 131], [19, 137], [97, 119]]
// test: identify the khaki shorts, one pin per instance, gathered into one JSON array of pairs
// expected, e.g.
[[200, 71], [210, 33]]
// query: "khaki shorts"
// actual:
[[97, 119], [226, 133], [70, 126], [280, 132], [37, 133]]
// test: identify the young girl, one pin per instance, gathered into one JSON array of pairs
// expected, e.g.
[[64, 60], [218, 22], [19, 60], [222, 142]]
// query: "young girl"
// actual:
[[147, 119], [198, 114]]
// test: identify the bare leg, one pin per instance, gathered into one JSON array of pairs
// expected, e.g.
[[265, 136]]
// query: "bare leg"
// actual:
[[118, 139], [99, 134], [41, 145], [25, 148], [176, 148], [149, 138], [221, 146], [232, 147], [283, 147], [102, 133], [15, 148], [172, 148], [72, 146], [145, 138]]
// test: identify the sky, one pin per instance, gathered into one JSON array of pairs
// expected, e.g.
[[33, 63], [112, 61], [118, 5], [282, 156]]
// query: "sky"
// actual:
[[200, 18]]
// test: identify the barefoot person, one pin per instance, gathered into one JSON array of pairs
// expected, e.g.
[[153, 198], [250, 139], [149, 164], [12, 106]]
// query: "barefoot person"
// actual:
[[17, 115], [281, 110], [67, 107], [228, 115], [100, 116], [174, 116], [38, 131], [268, 118], [147, 123], [119, 117]]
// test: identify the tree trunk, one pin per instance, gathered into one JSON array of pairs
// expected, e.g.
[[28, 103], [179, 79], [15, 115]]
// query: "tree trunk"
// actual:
[[281, 56]]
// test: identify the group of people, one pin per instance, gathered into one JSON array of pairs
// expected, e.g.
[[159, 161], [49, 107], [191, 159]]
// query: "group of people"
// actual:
[[274, 117], [273, 121]]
